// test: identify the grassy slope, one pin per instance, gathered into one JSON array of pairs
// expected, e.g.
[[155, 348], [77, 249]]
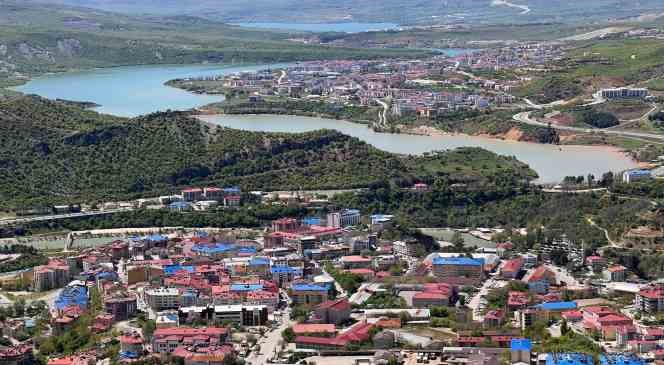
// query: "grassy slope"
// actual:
[[51, 152]]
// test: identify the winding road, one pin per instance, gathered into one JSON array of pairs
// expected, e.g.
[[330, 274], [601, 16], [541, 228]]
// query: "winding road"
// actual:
[[524, 117]]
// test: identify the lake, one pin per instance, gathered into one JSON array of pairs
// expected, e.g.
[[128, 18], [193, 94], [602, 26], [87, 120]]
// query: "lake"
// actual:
[[136, 90], [552, 163], [346, 27], [130, 91]]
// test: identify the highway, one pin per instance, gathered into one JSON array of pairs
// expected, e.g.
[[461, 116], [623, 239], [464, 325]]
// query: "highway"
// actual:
[[13, 221], [524, 117]]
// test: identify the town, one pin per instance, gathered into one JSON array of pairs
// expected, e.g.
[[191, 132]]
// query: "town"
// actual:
[[332, 288]]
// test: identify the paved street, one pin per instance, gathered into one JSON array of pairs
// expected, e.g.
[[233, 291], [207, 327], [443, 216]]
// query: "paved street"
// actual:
[[270, 343]]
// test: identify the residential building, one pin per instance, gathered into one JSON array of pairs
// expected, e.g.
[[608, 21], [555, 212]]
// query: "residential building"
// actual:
[[407, 248], [521, 350], [596, 263], [308, 294], [162, 298], [166, 340], [356, 262], [650, 299], [317, 330], [344, 218], [335, 311], [615, 273], [192, 194], [511, 268], [122, 308], [458, 267]]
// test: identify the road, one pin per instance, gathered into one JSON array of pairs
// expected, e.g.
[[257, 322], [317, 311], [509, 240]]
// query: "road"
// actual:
[[524, 8], [477, 301], [282, 77], [524, 117], [269, 344], [382, 117], [8, 222], [606, 233]]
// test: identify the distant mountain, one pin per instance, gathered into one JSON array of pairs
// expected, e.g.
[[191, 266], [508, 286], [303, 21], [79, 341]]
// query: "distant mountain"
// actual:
[[399, 11]]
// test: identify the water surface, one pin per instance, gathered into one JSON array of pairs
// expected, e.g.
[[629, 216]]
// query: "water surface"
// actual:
[[130, 91], [552, 163]]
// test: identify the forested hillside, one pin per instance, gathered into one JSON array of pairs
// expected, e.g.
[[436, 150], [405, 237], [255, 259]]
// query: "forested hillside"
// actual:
[[51, 152]]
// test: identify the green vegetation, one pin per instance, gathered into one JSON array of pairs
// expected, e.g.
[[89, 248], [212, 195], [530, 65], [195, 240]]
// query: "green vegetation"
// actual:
[[29, 257], [348, 281], [454, 203], [56, 153], [384, 301], [597, 119], [496, 123], [551, 88]]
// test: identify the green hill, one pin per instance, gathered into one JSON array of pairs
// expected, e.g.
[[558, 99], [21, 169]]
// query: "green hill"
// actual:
[[56, 153]]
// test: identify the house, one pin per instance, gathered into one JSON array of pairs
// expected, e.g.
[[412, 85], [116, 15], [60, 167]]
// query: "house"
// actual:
[[596, 263], [356, 262], [604, 320], [512, 268], [615, 273], [540, 280], [131, 343], [517, 300], [317, 330], [333, 311], [631, 176], [494, 318]]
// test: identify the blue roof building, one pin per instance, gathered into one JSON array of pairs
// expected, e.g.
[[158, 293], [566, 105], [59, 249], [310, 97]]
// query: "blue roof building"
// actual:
[[309, 287], [259, 261], [285, 270], [217, 248], [557, 306], [155, 238], [170, 270], [246, 287], [521, 344], [74, 295], [311, 221], [179, 206], [569, 359], [620, 359], [458, 261]]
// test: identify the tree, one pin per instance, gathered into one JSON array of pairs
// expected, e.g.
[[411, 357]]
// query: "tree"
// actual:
[[457, 240], [288, 335], [564, 328]]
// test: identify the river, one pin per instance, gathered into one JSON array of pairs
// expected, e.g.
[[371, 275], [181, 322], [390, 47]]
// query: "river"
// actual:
[[552, 163], [136, 90]]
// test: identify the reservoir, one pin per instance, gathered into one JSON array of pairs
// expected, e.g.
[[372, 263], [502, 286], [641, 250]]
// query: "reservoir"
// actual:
[[137, 90], [552, 163]]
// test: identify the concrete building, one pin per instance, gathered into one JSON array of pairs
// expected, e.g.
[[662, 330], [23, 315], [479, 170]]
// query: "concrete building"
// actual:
[[162, 298], [308, 294], [636, 175], [122, 308], [344, 218], [624, 93], [333, 311], [616, 273], [192, 194], [166, 340], [650, 299], [521, 350], [458, 267]]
